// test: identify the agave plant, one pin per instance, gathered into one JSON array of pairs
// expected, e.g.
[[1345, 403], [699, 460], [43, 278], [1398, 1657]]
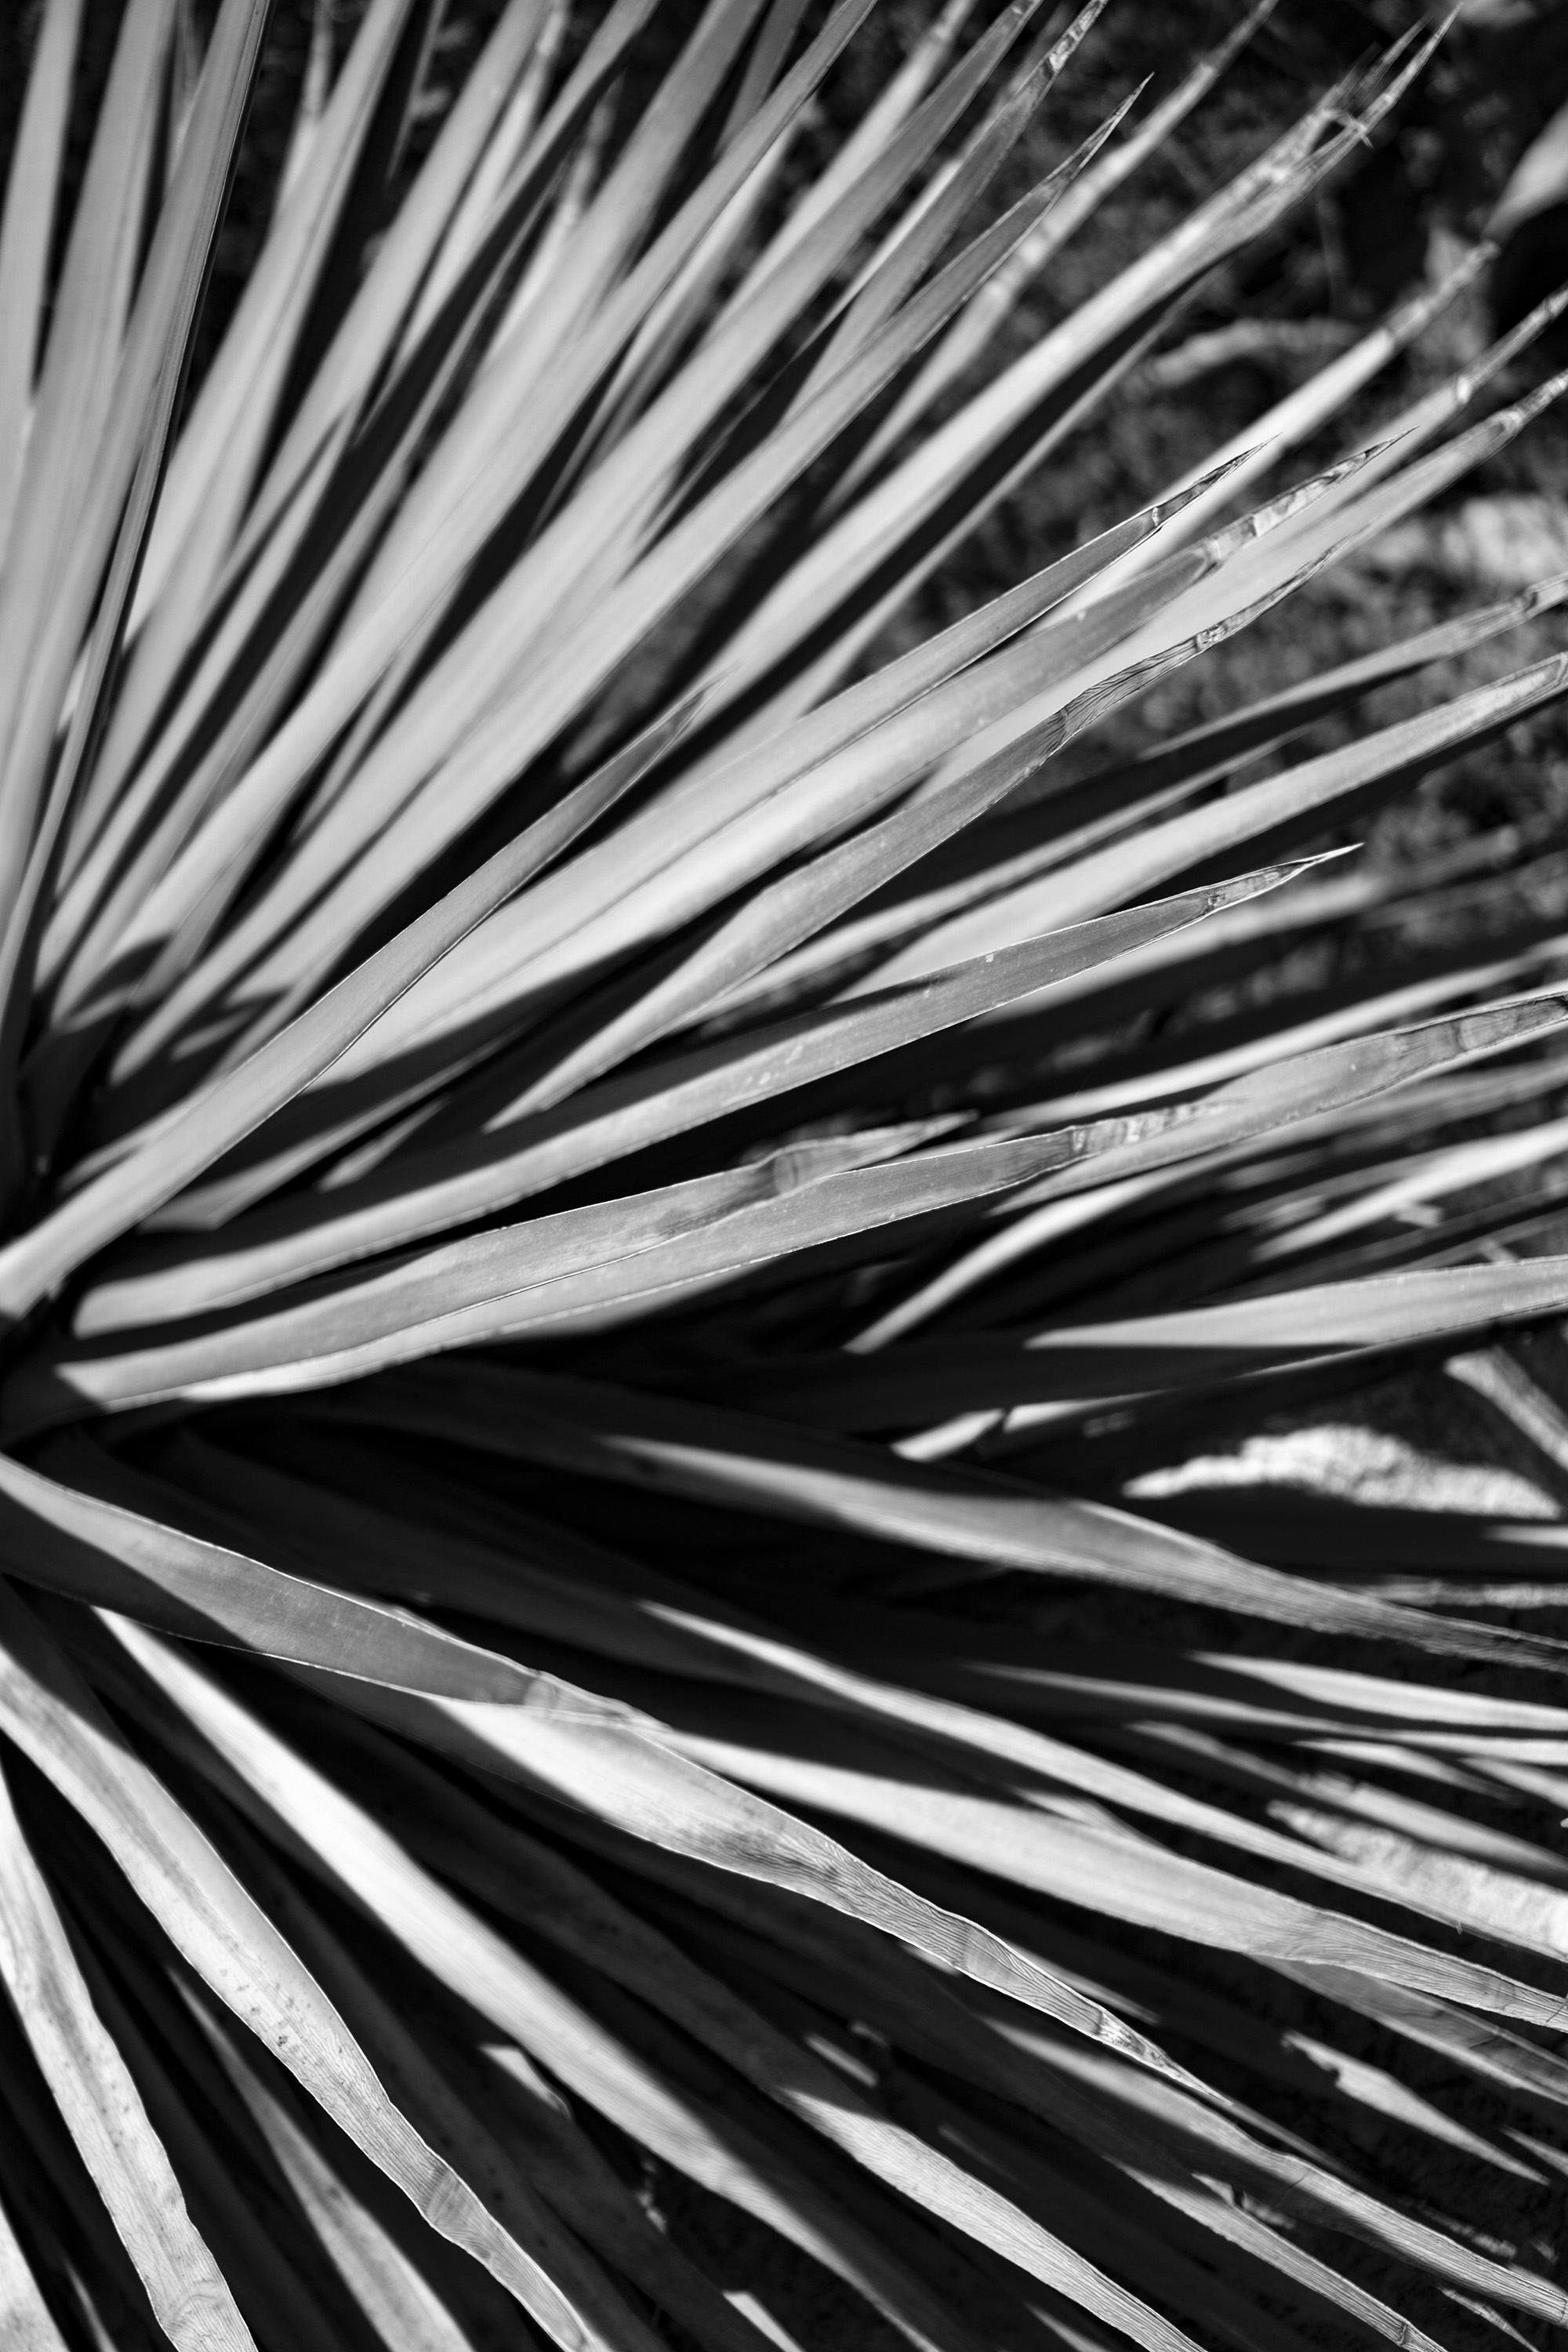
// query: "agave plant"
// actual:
[[617, 1156]]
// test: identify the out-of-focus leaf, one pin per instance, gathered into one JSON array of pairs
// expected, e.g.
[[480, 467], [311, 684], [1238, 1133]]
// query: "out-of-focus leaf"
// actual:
[[24, 230], [55, 566]]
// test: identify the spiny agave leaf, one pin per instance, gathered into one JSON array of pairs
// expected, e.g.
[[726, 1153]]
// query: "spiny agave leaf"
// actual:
[[879, 698], [463, 522], [456, 2131], [143, 824], [1299, 706], [905, 261], [360, 1858], [76, 382], [399, 2303], [582, 177], [862, 538], [1110, 2229], [912, 245], [798, 749], [540, 2139], [757, 1656], [1478, 2045], [1141, 863], [674, 321], [926, 2018], [483, 548], [775, 918], [58, 592], [990, 308], [501, 101], [732, 821], [1426, 416], [866, 140], [600, 1259], [562, 675], [1148, 1150], [1390, 480], [960, 1747], [1386, 2096], [792, 1473], [1264, 1697], [1260, 446], [727, 854], [1005, 2153], [962, 1744], [147, 824], [265, 2254], [1433, 1176], [819, 1928], [562, 323], [26, 227], [147, 398], [527, 1882], [212, 470], [601, 245], [736, 846], [1474, 1895], [1424, 1822], [21, 924], [470, 1180], [1145, 1991], [232, 1948], [1319, 524], [320, 429], [596, 2201], [197, 1587], [46, 2186], [1034, 838], [381, 307], [531, 596], [100, 1552], [232, 1107], [825, 795], [838, 1961], [314, 90], [1155, 1094], [1159, 2115], [1101, 1866], [100, 2100], [1345, 1803], [556, 1586], [1227, 2219], [920, 1381]]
